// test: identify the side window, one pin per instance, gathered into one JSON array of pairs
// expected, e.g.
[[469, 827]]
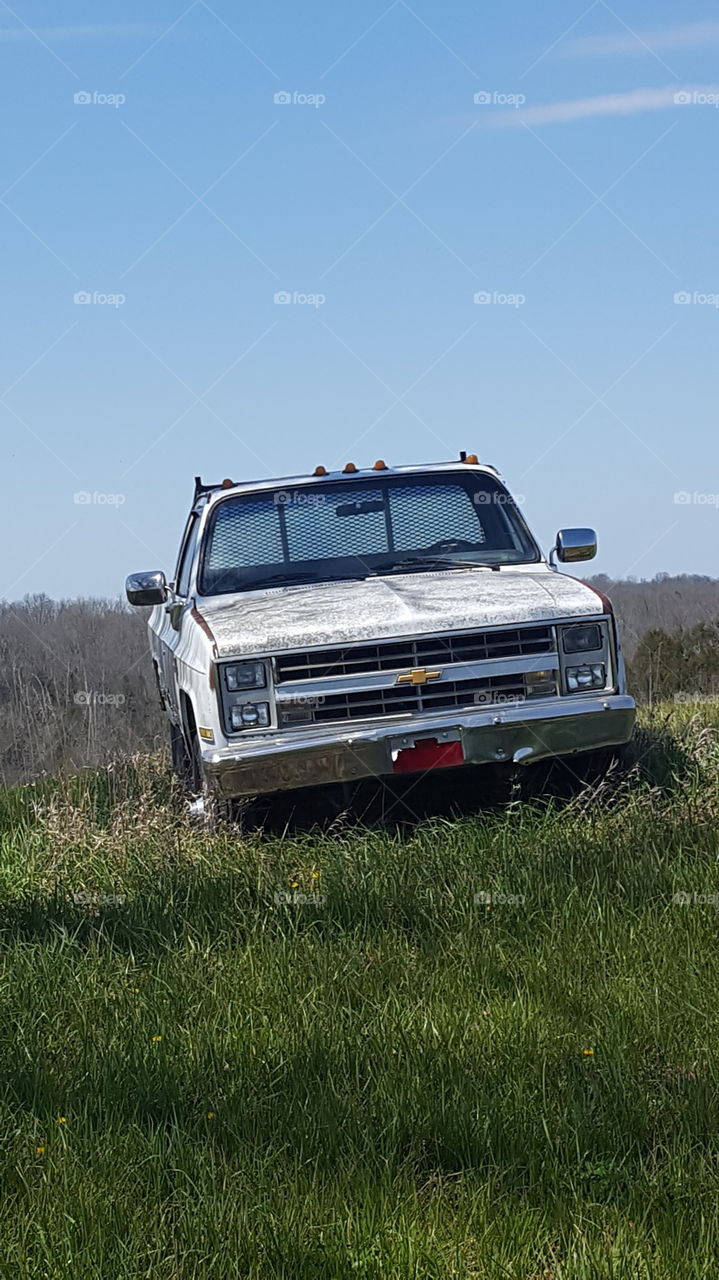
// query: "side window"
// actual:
[[187, 555]]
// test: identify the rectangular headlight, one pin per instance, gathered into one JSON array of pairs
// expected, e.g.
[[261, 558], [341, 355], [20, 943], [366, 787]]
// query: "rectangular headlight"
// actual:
[[586, 677], [245, 675], [583, 639], [250, 715]]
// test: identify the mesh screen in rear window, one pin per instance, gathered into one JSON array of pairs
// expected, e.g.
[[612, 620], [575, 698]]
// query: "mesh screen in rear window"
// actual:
[[246, 533], [359, 526], [439, 510], [319, 533]]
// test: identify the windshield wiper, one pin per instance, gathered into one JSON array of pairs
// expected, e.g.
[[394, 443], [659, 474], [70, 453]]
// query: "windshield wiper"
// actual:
[[298, 580], [432, 562]]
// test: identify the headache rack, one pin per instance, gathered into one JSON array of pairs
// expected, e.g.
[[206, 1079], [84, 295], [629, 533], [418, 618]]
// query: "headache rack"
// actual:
[[201, 490]]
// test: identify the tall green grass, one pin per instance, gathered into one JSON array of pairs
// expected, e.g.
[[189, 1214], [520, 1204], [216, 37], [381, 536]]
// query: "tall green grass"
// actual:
[[480, 1047]]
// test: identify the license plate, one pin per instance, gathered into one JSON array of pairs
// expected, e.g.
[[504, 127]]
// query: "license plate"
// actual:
[[428, 753]]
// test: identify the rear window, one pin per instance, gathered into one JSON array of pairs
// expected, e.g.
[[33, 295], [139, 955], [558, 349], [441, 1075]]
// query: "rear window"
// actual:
[[358, 526]]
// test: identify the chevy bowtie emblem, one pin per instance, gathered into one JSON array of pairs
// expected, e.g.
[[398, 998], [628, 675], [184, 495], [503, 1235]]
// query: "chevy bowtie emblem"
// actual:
[[419, 675]]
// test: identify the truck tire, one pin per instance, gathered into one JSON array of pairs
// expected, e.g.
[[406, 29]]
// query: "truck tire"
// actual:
[[180, 756], [207, 810]]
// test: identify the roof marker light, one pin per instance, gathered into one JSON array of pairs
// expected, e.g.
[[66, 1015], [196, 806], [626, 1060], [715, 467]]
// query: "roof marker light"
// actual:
[[227, 484], [380, 465], [472, 460], [349, 469], [320, 471]]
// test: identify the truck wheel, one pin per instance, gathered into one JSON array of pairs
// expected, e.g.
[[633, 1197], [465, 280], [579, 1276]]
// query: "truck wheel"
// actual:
[[207, 810], [598, 764], [569, 775], [180, 756]]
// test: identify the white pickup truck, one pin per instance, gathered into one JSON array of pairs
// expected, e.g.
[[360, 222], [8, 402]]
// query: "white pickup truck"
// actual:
[[367, 623]]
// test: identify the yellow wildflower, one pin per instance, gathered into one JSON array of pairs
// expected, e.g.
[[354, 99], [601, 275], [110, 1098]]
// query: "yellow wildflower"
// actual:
[[156, 1039]]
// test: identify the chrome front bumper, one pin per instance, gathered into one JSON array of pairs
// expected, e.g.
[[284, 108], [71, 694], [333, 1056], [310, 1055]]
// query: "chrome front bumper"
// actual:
[[521, 734]]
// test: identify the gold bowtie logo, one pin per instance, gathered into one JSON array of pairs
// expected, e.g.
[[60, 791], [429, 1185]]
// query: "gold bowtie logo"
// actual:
[[418, 675]]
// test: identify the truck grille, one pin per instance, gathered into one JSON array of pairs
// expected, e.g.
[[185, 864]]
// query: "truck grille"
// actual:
[[396, 700], [395, 655]]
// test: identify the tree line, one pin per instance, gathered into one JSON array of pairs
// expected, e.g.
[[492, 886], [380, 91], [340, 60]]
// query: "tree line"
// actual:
[[77, 688]]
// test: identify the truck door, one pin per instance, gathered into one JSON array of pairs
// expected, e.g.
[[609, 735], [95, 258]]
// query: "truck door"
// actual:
[[175, 613]]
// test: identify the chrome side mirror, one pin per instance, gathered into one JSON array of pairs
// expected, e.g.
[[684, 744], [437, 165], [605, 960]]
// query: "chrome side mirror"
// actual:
[[575, 544], [146, 588]]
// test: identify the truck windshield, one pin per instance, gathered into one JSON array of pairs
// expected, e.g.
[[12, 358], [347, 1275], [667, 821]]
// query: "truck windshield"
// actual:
[[354, 528]]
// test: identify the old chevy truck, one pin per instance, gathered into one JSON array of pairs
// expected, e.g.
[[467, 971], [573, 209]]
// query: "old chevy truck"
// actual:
[[366, 623]]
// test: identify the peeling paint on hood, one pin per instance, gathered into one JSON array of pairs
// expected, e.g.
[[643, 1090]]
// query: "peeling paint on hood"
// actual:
[[397, 606]]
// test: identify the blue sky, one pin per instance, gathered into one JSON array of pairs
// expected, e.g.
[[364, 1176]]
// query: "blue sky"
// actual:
[[576, 194]]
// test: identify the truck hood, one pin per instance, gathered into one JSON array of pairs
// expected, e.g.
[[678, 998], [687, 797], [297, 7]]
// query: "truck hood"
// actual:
[[335, 613]]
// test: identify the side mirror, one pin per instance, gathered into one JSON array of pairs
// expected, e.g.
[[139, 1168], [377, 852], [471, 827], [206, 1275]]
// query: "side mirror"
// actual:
[[575, 544], [146, 588]]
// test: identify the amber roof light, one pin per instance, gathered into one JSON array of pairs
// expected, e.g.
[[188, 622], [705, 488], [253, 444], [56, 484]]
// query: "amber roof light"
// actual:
[[380, 465], [472, 460], [320, 471], [349, 469]]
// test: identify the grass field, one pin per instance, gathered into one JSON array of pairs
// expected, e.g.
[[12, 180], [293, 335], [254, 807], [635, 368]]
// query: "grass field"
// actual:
[[482, 1047]]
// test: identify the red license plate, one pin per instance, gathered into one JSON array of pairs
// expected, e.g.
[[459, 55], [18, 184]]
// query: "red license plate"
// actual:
[[428, 753]]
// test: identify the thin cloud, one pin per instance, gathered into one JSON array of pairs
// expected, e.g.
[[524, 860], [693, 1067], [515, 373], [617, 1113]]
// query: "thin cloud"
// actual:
[[608, 104], [692, 36], [99, 32]]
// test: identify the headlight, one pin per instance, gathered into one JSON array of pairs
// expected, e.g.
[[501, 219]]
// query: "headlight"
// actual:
[[583, 639], [586, 677], [250, 715], [245, 675]]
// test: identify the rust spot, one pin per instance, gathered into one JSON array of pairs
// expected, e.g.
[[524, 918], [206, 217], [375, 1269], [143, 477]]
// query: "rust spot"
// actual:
[[205, 626], [608, 606]]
